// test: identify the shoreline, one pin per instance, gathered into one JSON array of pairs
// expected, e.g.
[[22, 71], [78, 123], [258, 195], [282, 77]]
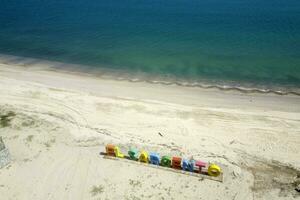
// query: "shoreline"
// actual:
[[61, 121], [122, 75], [144, 91]]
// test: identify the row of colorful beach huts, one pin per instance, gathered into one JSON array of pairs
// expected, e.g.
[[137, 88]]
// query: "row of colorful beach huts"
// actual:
[[176, 162]]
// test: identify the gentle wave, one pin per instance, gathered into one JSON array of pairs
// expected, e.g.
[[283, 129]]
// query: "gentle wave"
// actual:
[[218, 87]]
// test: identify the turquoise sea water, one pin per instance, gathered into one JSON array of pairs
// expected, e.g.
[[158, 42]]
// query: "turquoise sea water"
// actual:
[[232, 42]]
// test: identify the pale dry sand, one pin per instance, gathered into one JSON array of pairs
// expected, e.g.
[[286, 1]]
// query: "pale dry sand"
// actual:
[[59, 122]]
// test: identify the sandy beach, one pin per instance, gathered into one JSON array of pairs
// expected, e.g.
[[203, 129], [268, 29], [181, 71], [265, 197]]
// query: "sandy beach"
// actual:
[[59, 122]]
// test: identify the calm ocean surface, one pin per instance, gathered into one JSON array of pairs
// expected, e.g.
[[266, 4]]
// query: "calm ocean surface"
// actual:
[[234, 42]]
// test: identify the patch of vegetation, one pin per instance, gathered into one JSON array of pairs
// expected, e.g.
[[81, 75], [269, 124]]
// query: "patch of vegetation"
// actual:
[[29, 138], [26, 160], [97, 190], [132, 197], [50, 142], [47, 144], [134, 183], [5, 119], [275, 175], [28, 123]]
